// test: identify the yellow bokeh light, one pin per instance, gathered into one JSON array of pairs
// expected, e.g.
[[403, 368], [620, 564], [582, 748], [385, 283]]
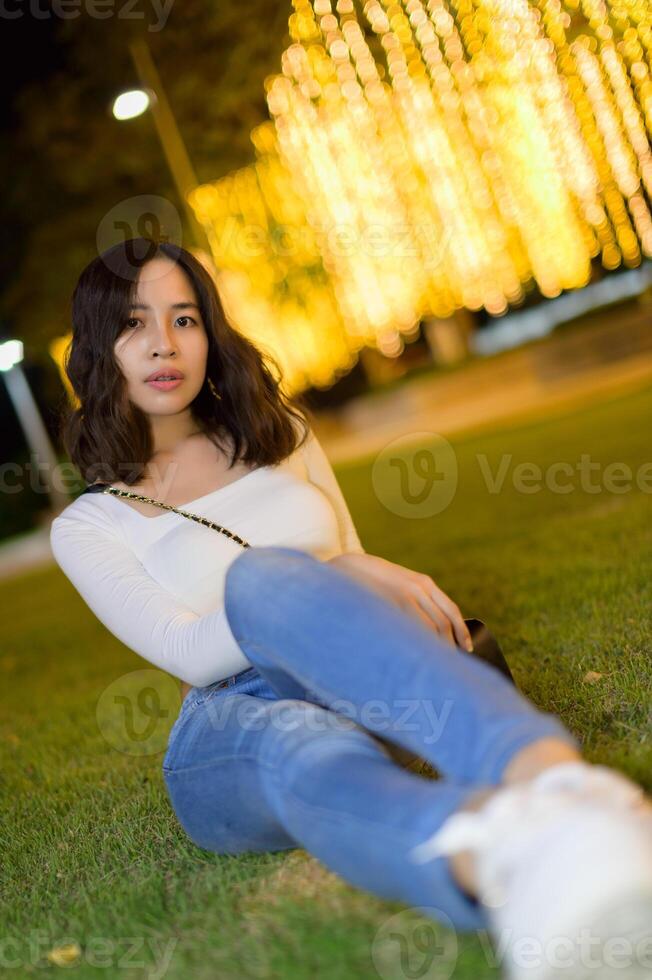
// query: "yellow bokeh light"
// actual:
[[428, 155]]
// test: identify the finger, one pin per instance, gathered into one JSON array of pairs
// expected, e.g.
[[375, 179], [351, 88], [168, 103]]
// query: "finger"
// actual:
[[438, 614], [438, 617], [461, 630], [410, 605]]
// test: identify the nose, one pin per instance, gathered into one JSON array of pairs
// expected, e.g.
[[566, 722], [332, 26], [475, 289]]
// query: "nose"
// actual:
[[163, 341]]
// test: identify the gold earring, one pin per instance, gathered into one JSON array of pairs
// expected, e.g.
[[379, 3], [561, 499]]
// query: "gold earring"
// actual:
[[214, 389]]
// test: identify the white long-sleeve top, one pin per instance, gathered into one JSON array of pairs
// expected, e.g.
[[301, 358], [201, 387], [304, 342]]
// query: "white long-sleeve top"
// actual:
[[157, 583]]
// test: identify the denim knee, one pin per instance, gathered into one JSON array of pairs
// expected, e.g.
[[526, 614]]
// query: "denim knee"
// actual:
[[260, 560], [250, 570]]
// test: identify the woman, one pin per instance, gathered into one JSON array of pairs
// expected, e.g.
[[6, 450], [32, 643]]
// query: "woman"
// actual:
[[304, 659]]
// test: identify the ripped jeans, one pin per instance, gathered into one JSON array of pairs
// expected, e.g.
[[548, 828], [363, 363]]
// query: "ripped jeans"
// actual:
[[291, 753]]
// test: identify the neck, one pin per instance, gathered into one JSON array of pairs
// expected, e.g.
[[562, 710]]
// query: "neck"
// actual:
[[170, 433]]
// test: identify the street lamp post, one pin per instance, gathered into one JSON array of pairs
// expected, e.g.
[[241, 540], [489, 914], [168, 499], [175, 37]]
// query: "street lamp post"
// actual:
[[11, 354], [133, 103]]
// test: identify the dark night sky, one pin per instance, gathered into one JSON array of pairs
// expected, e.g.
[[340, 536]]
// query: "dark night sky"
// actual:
[[30, 52]]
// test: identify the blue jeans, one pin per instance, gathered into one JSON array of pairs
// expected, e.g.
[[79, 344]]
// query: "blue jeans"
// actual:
[[288, 753]]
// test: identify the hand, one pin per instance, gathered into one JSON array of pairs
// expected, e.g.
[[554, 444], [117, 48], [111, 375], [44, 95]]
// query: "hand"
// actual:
[[411, 591]]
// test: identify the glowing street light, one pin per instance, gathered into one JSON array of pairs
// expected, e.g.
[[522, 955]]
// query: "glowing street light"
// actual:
[[130, 104], [11, 353]]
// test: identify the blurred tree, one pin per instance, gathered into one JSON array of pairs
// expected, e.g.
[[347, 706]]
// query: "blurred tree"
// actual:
[[71, 162]]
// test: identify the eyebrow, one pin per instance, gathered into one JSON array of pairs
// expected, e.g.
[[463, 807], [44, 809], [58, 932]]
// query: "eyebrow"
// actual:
[[173, 306]]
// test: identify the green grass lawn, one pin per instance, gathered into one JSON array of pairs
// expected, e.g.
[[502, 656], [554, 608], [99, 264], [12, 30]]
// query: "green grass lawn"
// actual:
[[91, 850]]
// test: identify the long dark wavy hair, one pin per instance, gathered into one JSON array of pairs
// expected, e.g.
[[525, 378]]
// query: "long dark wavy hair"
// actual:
[[108, 437]]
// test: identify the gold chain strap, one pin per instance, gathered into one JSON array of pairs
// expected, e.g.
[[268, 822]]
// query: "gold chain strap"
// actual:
[[183, 513]]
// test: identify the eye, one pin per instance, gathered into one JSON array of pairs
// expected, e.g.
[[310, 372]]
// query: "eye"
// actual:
[[134, 321]]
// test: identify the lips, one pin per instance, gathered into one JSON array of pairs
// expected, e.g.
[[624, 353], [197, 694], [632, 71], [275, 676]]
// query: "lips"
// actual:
[[171, 373]]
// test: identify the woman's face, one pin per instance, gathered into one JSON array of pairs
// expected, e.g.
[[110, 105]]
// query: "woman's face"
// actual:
[[164, 334]]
